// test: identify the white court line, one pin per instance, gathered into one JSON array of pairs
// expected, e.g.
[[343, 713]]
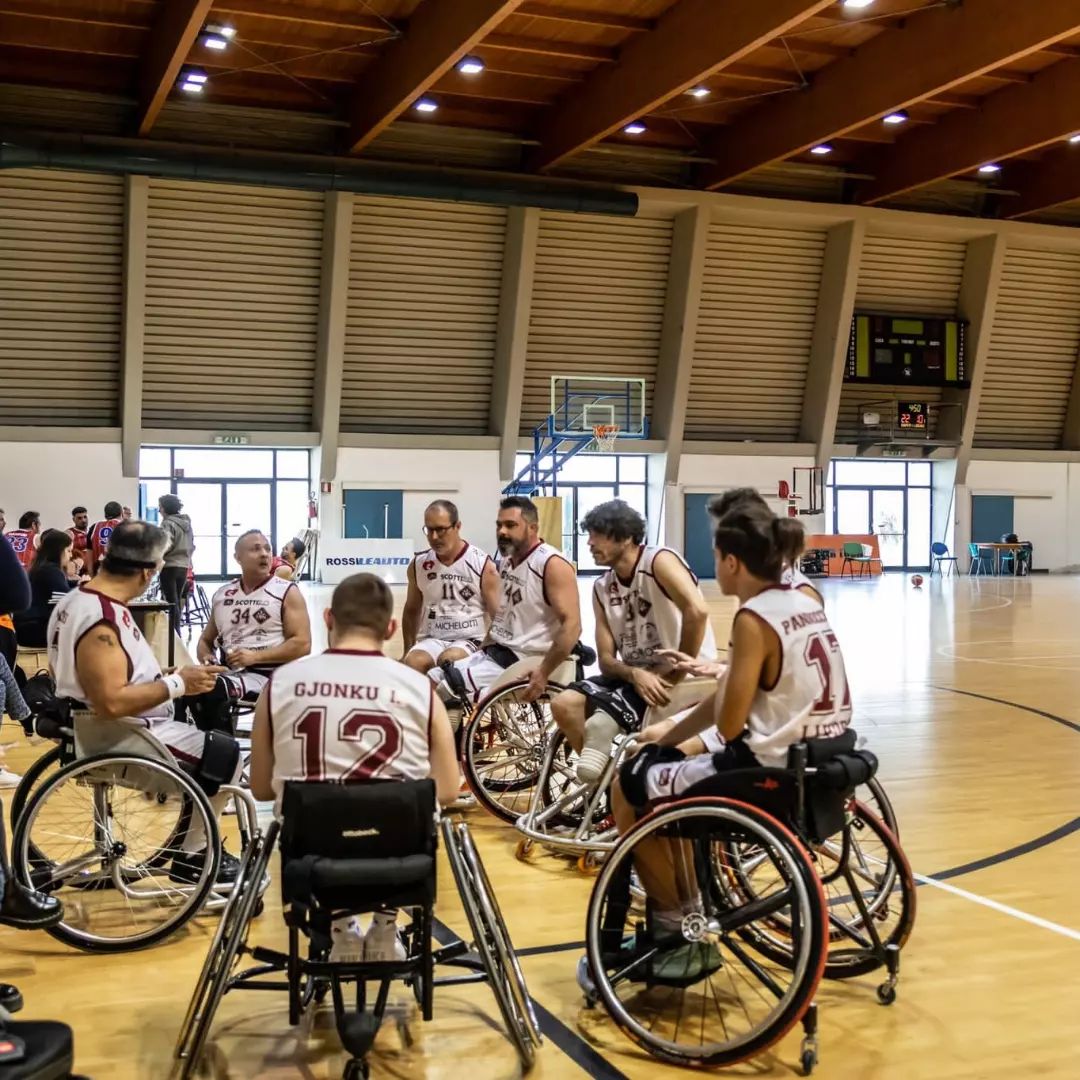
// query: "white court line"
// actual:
[[994, 905]]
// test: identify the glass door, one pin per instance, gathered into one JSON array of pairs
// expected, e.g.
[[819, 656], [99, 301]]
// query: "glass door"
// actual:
[[890, 524], [853, 511], [247, 506], [203, 503]]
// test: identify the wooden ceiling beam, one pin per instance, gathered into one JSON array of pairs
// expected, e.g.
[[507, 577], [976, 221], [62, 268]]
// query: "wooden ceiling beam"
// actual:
[[582, 17], [1012, 121], [1041, 185], [174, 32], [569, 50], [360, 20], [889, 72], [692, 40], [440, 33]]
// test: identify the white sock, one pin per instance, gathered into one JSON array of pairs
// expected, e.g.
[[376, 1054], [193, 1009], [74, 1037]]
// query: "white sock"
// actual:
[[600, 732]]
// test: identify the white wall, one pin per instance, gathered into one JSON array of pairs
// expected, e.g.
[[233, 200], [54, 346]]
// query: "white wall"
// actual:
[[469, 478], [1046, 507], [715, 473], [53, 477]]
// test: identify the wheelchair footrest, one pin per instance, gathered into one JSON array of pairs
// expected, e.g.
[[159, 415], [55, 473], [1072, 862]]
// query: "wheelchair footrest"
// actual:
[[269, 956], [450, 952], [357, 1032]]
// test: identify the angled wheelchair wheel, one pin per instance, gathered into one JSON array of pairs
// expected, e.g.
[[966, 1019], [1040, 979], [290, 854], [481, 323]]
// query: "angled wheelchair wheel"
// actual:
[[872, 795], [91, 837], [503, 747], [867, 884], [491, 942], [229, 936], [33, 777], [688, 988]]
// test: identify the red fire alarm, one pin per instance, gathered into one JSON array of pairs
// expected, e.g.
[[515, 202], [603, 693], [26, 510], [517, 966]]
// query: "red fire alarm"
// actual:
[[326, 487]]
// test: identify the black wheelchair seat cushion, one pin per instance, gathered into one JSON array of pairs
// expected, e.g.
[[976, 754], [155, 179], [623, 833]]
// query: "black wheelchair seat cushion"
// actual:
[[768, 789], [821, 750], [337, 884], [49, 1052]]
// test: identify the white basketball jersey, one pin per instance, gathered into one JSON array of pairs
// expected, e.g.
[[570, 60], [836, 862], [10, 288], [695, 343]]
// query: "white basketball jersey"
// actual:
[[251, 620], [795, 578], [349, 715], [76, 615], [811, 698], [453, 599], [642, 617], [525, 622]]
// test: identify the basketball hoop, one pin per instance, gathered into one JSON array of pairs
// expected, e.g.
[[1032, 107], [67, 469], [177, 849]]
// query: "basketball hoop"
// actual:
[[604, 435]]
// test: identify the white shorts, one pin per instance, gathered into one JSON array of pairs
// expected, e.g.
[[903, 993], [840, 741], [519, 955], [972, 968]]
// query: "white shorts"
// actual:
[[435, 647], [243, 683], [184, 741]]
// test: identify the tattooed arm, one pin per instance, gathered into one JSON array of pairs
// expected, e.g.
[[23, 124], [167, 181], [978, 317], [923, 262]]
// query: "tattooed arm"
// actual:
[[103, 672]]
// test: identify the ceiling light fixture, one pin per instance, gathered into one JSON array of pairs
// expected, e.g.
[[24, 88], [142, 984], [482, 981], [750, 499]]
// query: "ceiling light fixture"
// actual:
[[898, 117], [989, 167], [821, 150], [699, 92], [192, 80], [192, 87], [470, 65], [857, 5], [218, 42], [635, 127], [426, 105], [1074, 139]]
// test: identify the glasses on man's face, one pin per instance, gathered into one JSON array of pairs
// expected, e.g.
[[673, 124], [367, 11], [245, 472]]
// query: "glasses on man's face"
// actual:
[[435, 531]]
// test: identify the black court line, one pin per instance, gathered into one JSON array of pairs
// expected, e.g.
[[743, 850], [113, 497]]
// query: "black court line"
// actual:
[[1010, 853], [1016, 705], [568, 1041]]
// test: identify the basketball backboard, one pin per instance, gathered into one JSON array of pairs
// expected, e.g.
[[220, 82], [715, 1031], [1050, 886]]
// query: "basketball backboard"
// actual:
[[580, 402]]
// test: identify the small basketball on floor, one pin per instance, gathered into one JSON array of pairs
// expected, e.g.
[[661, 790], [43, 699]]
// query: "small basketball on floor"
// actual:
[[916, 580]]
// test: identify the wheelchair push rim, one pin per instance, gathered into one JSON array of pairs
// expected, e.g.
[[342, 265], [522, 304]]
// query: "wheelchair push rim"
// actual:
[[637, 990], [104, 850]]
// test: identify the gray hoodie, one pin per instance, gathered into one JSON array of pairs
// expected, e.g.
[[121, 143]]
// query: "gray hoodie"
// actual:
[[181, 539]]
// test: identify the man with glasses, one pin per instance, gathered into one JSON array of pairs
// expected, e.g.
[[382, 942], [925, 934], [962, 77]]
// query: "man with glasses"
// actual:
[[453, 594]]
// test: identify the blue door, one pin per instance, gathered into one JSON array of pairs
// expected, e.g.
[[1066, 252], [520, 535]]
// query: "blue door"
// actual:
[[991, 518], [698, 534], [372, 514]]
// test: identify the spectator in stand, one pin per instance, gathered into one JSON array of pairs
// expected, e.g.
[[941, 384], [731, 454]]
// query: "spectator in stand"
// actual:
[[80, 522], [14, 596], [24, 539], [126, 513], [100, 531], [174, 573], [49, 576]]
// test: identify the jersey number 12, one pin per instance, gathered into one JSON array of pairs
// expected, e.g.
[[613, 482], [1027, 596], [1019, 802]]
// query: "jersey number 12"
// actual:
[[310, 729]]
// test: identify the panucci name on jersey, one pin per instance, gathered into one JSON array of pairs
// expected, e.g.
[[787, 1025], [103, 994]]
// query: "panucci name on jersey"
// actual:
[[367, 560]]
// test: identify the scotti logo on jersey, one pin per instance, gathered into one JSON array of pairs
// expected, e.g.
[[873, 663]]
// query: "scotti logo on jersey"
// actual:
[[368, 560]]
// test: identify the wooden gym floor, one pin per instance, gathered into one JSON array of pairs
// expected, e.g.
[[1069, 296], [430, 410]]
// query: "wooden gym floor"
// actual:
[[968, 692]]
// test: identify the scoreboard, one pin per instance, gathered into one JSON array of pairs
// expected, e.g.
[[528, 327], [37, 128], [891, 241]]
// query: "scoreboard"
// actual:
[[903, 350], [912, 416]]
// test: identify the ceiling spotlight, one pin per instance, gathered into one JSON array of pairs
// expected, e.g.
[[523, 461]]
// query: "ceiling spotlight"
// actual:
[[635, 127], [470, 65], [989, 167], [699, 92], [426, 105], [194, 75], [821, 150], [225, 31], [215, 41], [855, 5], [192, 87], [898, 117], [1074, 139]]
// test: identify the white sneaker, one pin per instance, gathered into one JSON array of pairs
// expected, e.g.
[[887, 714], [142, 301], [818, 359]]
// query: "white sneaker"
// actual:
[[381, 942], [9, 779], [346, 941]]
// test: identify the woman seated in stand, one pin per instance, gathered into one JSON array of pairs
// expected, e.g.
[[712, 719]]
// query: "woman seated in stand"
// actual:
[[52, 572]]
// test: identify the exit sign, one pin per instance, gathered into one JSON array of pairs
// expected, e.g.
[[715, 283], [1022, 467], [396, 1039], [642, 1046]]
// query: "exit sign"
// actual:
[[231, 440], [890, 451]]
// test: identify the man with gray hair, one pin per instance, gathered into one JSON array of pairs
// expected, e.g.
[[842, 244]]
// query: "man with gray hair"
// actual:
[[102, 662]]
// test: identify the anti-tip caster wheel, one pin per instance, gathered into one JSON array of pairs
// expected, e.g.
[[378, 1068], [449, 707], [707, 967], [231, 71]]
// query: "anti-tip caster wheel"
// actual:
[[808, 1060], [523, 849], [588, 863], [886, 994]]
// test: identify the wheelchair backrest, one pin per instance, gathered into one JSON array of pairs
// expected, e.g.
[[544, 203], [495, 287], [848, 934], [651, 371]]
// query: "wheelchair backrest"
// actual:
[[370, 819]]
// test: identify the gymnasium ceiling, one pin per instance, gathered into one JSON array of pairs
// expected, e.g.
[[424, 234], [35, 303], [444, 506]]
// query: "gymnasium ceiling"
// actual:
[[972, 84]]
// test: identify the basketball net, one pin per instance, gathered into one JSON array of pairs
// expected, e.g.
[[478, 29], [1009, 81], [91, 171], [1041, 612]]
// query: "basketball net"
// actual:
[[604, 436]]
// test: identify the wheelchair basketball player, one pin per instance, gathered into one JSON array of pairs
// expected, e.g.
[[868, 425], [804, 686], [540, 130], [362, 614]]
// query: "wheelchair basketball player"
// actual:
[[647, 601], [353, 714], [785, 682]]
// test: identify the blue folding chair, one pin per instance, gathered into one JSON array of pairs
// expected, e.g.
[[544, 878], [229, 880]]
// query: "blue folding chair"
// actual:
[[941, 555]]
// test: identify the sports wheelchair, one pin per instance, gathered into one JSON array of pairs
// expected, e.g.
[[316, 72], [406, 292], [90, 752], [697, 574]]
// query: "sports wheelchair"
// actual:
[[574, 818], [504, 739], [782, 878], [348, 849], [98, 821]]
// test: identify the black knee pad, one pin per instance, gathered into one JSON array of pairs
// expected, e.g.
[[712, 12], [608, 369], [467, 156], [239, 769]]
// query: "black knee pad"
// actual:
[[220, 755], [212, 711], [633, 773]]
